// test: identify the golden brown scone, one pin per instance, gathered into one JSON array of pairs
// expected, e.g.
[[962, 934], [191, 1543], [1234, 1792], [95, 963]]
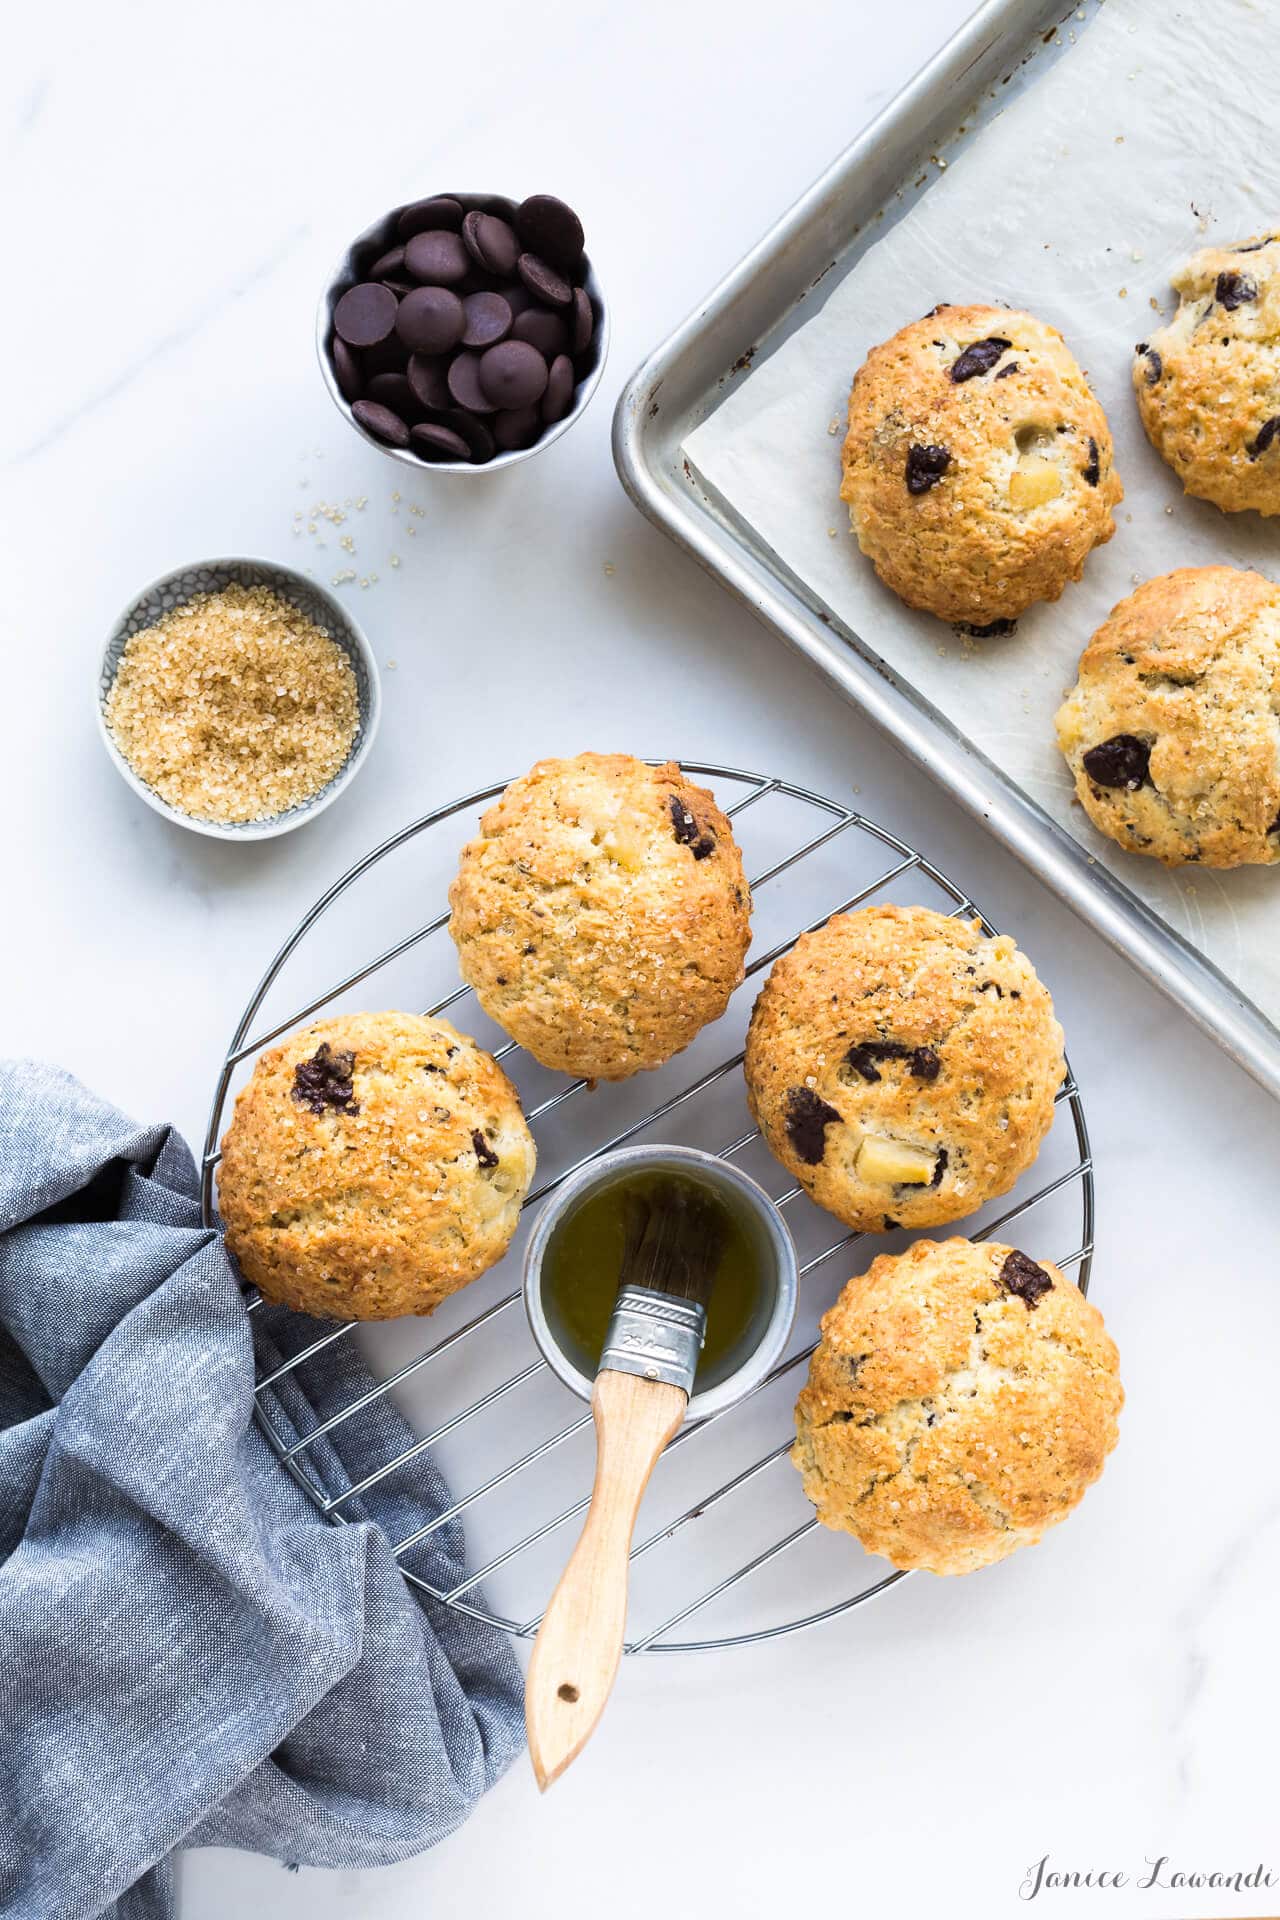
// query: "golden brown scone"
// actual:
[[602, 915], [1171, 730], [978, 465], [960, 1401], [374, 1164], [1208, 383], [903, 1065]]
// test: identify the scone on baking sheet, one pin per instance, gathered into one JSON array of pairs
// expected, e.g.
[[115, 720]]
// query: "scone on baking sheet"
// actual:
[[1208, 383], [1171, 730], [960, 1401], [601, 914], [374, 1164], [978, 466], [902, 1065]]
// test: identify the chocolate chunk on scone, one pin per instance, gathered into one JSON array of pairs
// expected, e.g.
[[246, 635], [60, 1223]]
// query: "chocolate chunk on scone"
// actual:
[[602, 915], [374, 1164], [903, 1065], [1171, 730], [961, 1400], [1208, 383], [978, 465]]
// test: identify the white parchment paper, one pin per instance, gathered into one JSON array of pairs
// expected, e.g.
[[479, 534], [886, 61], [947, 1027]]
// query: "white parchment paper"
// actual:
[[1150, 137]]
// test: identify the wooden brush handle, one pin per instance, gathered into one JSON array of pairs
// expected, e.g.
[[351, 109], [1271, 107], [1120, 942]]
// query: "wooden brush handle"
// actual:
[[579, 1644]]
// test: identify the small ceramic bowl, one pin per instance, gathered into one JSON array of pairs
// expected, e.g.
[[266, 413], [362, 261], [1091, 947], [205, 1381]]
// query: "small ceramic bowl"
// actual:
[[760, 1348], [378, 239], [210, 576]]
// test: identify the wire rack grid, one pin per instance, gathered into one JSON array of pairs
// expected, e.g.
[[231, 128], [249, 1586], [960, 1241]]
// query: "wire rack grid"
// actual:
[[706, 1479]]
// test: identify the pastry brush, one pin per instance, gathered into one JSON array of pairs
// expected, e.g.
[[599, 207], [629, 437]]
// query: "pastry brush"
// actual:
[[674, 1238]]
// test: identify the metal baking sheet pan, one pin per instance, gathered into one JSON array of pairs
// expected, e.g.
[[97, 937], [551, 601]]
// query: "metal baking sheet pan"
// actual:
[[1003, 49]]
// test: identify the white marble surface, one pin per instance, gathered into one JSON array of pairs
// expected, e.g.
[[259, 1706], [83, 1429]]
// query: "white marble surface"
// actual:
[[176, 184]]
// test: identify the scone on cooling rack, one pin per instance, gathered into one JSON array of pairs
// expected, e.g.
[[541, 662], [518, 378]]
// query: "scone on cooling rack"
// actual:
[[903, 1066], [374, 1164], [1208, 383], [978, 466], [961, 1400], [1170, 730], [601, 914]]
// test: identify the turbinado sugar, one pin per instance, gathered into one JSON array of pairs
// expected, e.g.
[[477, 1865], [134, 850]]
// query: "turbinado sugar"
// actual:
[[234, 707]]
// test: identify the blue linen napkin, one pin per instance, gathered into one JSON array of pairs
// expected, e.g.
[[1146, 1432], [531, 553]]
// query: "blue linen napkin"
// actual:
[[189, 1653]]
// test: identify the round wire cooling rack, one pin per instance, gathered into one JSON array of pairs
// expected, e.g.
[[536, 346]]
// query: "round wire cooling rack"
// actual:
[[726, 1530]]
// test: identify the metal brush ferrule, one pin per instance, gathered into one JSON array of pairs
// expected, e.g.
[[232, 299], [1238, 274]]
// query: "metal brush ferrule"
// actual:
[[656, 1336]]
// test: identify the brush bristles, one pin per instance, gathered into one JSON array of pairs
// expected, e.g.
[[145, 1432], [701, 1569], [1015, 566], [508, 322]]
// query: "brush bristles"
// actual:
[[675, 1234]]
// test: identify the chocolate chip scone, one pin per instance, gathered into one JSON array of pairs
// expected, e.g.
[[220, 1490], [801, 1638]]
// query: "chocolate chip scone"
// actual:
[[374, 1164], [602, 915], [903, 1066], [1172, 731], [978, 465], [961, 1400], [1208, 383]]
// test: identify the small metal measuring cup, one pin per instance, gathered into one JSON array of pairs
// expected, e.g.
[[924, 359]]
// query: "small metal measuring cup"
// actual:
[[733, 1375]]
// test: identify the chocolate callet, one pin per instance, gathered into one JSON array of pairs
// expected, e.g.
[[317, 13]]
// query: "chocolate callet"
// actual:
[[687, 831], [979, 358], [1232, 290], [1093, 470], [808, 1118], [1266, 434], [862, 1057], [325, 1081], [1022, 1276], [993, 630], [1122, 761], [1006, 371], [925, 467], [939, 1167], [1155, 365], [484, 1152]]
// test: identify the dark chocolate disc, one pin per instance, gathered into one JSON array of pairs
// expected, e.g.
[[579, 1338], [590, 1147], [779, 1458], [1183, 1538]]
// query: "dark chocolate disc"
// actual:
[[346, 369], [430, 320], [393, 390], [443, 213], [471, 428], [381, 422], [550, 229], [387, 264], [513, 374], [559, 393], [436, 442], [516, 428], [437, 258], [543, 330], [389, 356], [491, 243], [582, 323], [464, 383], [429, 381], [488, 319], [543, 281], [365, 314]]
